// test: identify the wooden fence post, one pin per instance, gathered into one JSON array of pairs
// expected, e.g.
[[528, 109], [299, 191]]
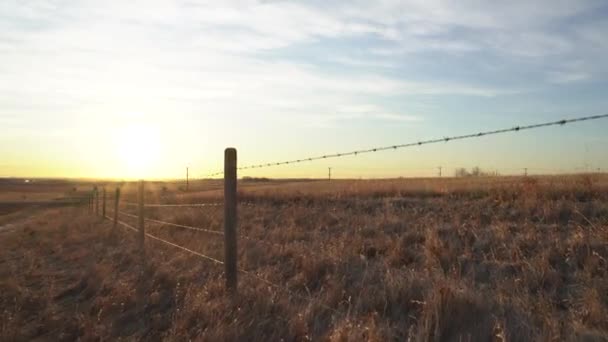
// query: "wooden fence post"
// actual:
[[116, 199], [96, 201], [140, 222], [230, 219], [103, 207]]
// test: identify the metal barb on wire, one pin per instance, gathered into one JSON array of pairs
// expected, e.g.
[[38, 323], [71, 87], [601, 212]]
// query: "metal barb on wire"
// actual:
[[424, 142]]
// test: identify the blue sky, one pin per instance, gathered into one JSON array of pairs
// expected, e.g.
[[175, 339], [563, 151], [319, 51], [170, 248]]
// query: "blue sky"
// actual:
[[79, 80]]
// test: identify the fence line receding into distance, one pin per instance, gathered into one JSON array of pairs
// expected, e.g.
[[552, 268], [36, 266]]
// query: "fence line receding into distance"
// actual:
[[230, 233]]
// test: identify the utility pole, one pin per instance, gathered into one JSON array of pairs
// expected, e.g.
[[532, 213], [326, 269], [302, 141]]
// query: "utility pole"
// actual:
[[525, 171], [439, 167], [187, 179], [329, 175]]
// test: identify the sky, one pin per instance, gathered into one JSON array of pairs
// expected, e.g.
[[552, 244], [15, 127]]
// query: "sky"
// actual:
[[144, 89]]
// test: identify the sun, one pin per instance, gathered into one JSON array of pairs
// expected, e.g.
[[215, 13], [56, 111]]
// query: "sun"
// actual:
[[138, 148]]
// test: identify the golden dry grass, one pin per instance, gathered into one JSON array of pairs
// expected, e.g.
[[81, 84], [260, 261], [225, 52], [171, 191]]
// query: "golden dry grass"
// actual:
[[492, 259]]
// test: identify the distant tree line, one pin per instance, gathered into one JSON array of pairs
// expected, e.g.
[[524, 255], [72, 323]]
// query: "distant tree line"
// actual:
[[475, 172], [255, 179]]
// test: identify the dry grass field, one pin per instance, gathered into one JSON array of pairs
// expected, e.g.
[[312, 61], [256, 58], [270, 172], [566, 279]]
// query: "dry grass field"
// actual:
[[453, 259]]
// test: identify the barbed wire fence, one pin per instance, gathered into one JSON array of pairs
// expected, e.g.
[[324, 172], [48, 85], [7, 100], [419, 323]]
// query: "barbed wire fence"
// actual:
[[230, 204], [417, 143]]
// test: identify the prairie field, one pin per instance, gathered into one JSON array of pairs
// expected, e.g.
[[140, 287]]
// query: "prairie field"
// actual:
[[429, 259]]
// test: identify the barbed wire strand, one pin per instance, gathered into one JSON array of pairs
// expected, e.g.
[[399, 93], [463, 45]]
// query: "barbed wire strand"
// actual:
[[418, 143], [219, 262], [217, 232], [189, 205], [171, 243], [211, 231]]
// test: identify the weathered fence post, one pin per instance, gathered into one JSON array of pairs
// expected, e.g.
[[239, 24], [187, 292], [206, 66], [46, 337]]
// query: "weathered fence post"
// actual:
[[116, 199], [230, 219], [103, 207], [96, 201], [140, 222]]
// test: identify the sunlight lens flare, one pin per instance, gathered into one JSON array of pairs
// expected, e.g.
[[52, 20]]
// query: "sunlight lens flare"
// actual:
[[138, 148]]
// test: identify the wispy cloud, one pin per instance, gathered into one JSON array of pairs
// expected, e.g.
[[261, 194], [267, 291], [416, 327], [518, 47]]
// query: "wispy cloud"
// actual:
[[107, 57], [357, 113]]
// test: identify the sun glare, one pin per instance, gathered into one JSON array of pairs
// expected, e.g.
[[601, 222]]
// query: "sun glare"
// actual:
[[138, 149]]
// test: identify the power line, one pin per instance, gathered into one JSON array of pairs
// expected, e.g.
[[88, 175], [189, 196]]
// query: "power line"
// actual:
[[419, 143]]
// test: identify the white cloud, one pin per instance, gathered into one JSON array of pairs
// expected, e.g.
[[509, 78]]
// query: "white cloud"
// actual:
[[355, 112], [114, 57], [111, 60]]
